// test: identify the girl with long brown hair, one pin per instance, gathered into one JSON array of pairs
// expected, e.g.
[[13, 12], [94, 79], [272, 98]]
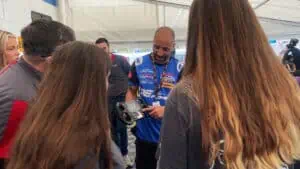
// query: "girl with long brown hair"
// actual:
[[67, 126], [236, 107]]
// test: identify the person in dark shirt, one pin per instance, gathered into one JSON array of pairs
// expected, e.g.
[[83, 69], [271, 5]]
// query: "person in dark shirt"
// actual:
[[292, 55], [118, 84]]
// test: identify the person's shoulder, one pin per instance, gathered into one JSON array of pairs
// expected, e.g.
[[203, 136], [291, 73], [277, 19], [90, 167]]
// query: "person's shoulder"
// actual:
[[177, 63], [9, 69], [174, 59], [296, 52], [120, 57], [12, 82], [141, 59], [182, 101], [182, 93], [296, 48], [9, 77], [8, 93], [146, 57]]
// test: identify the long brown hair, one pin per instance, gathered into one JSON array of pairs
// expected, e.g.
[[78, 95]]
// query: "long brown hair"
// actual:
[[246, 97], [69, 118]]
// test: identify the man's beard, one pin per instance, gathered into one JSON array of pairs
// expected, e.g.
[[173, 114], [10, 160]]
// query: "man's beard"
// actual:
[[160, 59]]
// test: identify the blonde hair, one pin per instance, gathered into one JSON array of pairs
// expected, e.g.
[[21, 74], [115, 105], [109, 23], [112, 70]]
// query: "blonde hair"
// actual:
[[4, 35]]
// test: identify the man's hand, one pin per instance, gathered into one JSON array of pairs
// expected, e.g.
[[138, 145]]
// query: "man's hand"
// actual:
[[155, 111]]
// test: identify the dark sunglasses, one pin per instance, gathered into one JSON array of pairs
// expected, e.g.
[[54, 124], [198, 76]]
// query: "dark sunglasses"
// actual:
[[165, 49]]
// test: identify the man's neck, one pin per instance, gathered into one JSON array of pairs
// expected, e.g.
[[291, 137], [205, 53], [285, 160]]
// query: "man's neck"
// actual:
[[39, 67]]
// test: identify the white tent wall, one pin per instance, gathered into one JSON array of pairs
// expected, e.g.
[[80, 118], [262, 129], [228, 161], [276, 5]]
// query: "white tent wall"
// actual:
[[131, 22], [126, 22], [142, 45], [15, 14], [280, 18]]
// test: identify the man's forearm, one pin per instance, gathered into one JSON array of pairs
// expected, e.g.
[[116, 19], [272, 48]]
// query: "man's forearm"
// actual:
[[131, 94]]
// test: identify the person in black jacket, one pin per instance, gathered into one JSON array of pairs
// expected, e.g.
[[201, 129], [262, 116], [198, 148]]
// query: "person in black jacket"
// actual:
[[292, 55]]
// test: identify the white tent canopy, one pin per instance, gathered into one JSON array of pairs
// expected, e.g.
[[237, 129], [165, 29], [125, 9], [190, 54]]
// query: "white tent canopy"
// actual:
[[134, 21]]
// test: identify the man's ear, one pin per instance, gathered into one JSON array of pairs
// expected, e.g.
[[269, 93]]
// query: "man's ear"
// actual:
[[174, 47]]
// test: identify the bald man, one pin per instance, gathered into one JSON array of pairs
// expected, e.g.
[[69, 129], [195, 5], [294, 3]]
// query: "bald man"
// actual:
[[153, 76]]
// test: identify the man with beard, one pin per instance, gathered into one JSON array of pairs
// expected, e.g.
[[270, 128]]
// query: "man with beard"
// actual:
[[153, 76]]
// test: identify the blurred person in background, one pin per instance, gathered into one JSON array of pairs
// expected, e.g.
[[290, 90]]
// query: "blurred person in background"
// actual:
[[8, 48], [236, 106], [291, 58], [292, 55], [118, 85]]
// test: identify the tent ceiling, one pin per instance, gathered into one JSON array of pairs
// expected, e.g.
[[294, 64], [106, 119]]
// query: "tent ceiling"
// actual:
[[124, 21]]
